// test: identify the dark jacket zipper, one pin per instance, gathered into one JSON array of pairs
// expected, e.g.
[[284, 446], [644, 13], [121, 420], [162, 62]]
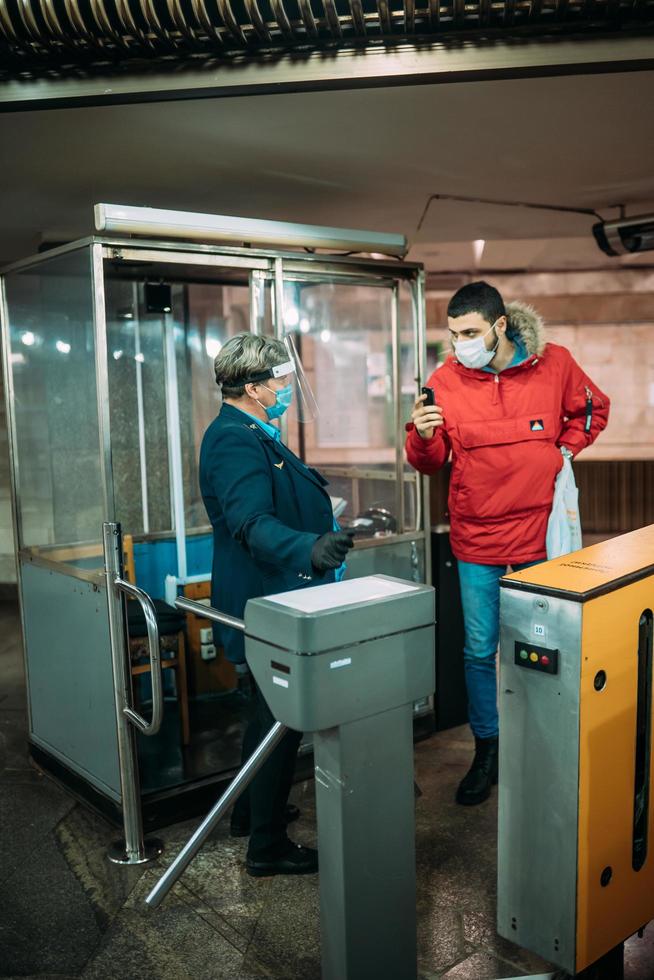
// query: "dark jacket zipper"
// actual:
[[589, 409]]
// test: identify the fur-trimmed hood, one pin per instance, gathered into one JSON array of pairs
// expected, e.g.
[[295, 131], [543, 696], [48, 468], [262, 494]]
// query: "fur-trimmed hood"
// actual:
[[524, 322]]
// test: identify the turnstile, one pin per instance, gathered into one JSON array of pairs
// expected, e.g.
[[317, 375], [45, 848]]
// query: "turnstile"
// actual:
[[576, 848], [346, 662]]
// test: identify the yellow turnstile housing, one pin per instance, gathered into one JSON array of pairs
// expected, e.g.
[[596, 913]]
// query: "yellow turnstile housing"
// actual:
[[576, 817]]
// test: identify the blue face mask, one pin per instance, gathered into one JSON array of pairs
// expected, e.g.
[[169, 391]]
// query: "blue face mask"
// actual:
[[283, 399]]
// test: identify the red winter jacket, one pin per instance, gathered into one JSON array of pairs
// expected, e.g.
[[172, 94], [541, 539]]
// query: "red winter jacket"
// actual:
[[504, 431]]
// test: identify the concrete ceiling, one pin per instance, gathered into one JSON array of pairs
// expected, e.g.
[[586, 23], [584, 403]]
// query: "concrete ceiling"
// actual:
[[367, 159]]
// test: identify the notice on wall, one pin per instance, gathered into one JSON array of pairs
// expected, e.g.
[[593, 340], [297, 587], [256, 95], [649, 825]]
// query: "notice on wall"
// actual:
[[341, 380]]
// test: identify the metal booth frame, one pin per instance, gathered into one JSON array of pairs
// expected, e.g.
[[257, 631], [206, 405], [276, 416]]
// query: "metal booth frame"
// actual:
[[269, 264]]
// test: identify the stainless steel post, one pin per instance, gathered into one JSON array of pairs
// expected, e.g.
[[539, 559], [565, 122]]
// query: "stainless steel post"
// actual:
[[367, 863], [231, 794], [173, 426], [133, 849]]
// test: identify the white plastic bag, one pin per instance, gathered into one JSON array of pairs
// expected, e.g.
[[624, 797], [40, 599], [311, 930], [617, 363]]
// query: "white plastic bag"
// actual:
[[564, 525]]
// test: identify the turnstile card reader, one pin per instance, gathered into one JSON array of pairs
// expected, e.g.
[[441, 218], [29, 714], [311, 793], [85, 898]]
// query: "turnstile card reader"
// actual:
[[576, 816], [333, 654], [346, 662]]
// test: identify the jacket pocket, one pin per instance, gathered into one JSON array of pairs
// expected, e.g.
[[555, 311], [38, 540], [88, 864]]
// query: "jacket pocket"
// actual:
[[509, 466], [497, 432]]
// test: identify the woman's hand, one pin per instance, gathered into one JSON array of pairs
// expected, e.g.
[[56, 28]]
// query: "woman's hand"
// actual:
[[331, 549], [426, 418]]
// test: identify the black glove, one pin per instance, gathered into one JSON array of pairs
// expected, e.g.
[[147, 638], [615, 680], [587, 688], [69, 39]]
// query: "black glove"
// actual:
[[330, 550]]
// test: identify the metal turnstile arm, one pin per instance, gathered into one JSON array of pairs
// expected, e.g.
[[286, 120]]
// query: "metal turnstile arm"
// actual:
[[208, 612], [231, 794]]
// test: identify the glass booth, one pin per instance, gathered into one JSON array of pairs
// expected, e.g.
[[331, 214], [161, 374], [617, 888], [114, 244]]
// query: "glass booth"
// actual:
[[108, 348]]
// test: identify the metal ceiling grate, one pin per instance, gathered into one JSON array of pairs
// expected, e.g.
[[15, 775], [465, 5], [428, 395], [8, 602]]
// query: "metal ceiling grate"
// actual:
[[62, 34]]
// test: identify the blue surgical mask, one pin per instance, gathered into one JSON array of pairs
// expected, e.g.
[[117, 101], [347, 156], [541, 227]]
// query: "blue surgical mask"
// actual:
[[283, 399]]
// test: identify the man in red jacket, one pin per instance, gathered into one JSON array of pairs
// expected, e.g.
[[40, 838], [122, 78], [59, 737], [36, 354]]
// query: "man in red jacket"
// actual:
[[508, 405]]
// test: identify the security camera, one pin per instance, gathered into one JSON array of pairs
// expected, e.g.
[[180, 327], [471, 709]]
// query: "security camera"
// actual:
[[626, 236]]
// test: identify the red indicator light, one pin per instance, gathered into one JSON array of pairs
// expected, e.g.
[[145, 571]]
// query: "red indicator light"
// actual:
[[545, 660]]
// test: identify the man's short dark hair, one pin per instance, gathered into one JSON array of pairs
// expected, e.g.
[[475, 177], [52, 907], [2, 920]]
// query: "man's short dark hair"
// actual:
[[477, 297]]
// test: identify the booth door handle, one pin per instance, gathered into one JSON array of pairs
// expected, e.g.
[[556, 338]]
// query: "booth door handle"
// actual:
[[147, 727]]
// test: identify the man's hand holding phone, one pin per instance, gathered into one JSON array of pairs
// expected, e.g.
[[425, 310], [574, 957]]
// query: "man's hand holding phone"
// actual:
[[426, 416]]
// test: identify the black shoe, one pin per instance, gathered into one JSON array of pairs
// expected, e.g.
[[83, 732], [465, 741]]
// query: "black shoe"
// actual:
[[297, 860], [476, 785], [239, 825]]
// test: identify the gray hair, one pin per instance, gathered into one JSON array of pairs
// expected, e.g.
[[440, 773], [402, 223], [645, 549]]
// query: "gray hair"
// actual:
[[243, 355]]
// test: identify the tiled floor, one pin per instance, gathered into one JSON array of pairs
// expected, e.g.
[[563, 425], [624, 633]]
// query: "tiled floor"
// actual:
[[66, 912]]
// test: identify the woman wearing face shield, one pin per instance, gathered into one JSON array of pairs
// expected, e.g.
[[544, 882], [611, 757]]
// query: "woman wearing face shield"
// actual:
[[273, 531]]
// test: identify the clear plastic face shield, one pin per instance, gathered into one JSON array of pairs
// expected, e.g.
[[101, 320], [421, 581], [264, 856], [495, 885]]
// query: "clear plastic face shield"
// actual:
[[304, 407], [288, 383]]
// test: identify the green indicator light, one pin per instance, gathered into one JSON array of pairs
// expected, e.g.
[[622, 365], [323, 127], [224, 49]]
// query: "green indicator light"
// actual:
[[523, 655]]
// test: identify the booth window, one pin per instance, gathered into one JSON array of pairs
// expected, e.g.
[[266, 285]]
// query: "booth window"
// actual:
[[60, 499]]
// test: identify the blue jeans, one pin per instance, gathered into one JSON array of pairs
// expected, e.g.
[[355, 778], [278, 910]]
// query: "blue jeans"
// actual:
[[480, 598]]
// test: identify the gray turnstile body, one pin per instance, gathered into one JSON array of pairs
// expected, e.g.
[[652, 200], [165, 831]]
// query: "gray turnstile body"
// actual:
[[346, 662]]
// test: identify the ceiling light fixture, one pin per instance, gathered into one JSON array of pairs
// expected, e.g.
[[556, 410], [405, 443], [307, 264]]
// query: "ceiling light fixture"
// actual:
[[227, 228], [478, 249]]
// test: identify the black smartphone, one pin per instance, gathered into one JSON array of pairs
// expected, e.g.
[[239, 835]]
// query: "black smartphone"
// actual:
[[429, 392]]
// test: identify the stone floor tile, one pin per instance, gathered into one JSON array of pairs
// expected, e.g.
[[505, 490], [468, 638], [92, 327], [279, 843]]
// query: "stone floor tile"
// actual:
[[13, 744], [150, 875], [169, 942], [217, 877], [84, 838], [181, 896], [287, 937], [450, 879], [440, 937], [481, 966], [29, 777], [639, 956], [48, 924], [42, 976], [29, 810], [479, 930]]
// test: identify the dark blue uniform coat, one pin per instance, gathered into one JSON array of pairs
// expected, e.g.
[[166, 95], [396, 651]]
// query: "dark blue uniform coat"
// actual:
[[267, 509]]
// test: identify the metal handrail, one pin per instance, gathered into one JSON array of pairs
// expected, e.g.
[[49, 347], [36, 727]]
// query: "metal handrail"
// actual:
[[132, 849], [147, 727]]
